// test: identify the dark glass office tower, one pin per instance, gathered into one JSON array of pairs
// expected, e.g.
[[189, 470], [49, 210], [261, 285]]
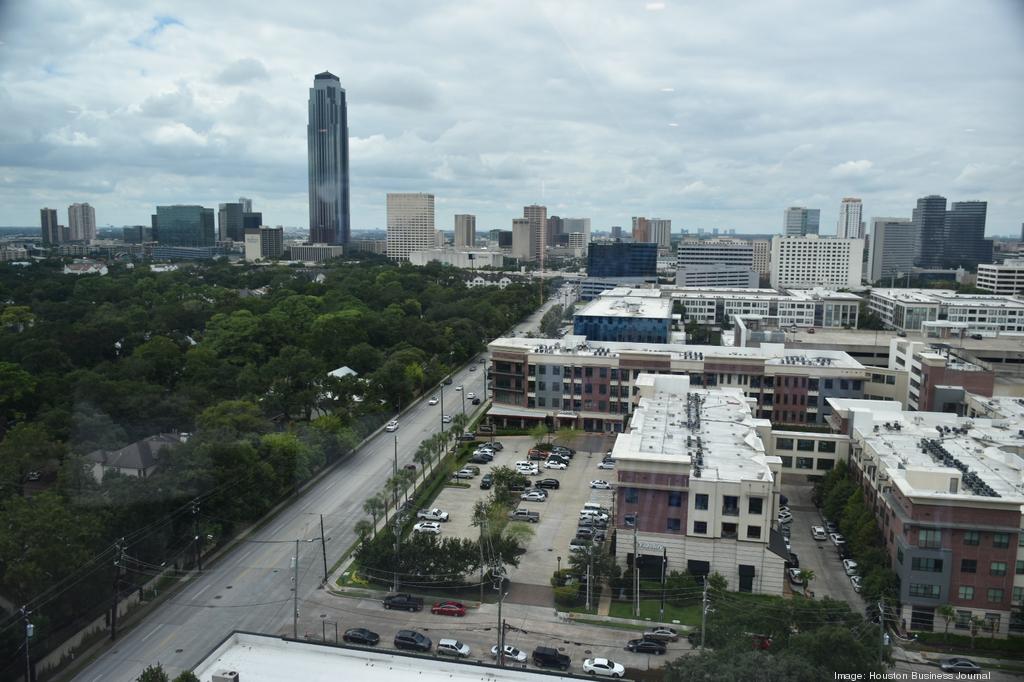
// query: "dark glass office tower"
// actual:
[[965, 235], [929, 220], [252, 220], [229, 222], [619, 259], [185, 226], [327, 142]]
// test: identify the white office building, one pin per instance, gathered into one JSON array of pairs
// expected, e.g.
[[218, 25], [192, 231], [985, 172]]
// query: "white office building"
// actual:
[[800, 221], [1005, 278], [265, 243], [716, 275], [719, 251], [459, 259], [892, 250], [465, 231], [850, 225], [661, 232], [808, 262], [525, 238], [911, 309], [578, 230], [410, 223], [762, 256]]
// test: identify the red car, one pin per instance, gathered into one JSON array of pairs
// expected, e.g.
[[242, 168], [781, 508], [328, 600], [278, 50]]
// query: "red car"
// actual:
[[448, 608]]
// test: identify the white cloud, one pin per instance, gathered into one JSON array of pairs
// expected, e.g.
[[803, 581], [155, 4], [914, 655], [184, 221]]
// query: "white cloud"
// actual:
[[177, 134], [851, 169], [67, 137]]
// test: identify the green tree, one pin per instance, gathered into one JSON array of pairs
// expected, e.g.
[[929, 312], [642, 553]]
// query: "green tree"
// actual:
[[746, 666], [948, 614], [186, 676], [153, 673], [807, 575], [159, 360], [374, 507], [16, 387], [595, 557]]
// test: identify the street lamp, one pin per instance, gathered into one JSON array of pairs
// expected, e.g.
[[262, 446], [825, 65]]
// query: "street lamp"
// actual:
[[559, 567]]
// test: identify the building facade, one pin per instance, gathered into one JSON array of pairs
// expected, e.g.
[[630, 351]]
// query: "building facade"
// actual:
[[465, 231], [661, 232], [327, 149], [459, 259], [50, 227], [800, 222], [622, 259], [716, 276], [1004, 279], [230, 224], [850, 224], [82, 222], [965, 244], [892, 250], [643, 320], [537, 216], [641, 229], [762, 251], [929, 218], [910, 309], [264, 243], [524, 240], [410, 223], [315, 253], [806, 262], [185, 225], [938, 379]]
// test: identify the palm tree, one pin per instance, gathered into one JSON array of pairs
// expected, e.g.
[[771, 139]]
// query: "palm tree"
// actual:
[[408, 479], [373, 507], [947, 613], [363, 528], [975, 624], [423, 458], [384, 503], [807, 575], [394, 487], [459, 422]]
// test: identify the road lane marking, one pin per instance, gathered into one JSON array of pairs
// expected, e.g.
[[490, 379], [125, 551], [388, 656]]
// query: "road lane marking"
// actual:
[[152, 633], [205, 587]]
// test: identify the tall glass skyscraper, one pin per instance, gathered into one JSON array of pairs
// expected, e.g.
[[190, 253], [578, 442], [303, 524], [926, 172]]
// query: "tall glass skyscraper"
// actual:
[[190, 226], [327, 143], [930, 225]]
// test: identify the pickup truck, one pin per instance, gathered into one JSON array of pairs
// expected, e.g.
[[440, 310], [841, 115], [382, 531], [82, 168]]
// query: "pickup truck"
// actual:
[[524, 515], [432, 515], [405, 602]]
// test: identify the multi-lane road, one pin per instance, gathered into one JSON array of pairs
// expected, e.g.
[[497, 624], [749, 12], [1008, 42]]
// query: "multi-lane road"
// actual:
[[250, 587]]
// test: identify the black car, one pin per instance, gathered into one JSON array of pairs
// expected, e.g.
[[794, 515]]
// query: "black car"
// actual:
[[361, 636], [646, 646], [584, 533], [546, 657], [793, 561], [548, 483], [495, 445], [410, 639], [405, 602], [486, 482], [480, 459], [476, 401]]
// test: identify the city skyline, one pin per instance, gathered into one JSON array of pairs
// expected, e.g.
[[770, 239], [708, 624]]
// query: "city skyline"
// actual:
[[727, 144]]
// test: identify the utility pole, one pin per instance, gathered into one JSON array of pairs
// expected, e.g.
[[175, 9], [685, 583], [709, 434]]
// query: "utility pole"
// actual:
[[441, 403], [499, 573], [396, 456], [29, 631], [881, 630], [590, 561], [195, 534], [397, 531], [664, 564], [636, 569], [118, 563], [295, 592], [323, 546], [704, 613]]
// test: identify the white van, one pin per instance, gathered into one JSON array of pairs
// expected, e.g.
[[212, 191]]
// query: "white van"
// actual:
[[594, 506]]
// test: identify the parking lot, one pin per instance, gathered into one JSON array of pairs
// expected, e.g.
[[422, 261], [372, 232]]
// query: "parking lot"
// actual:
[[558, 514], [820, 556]]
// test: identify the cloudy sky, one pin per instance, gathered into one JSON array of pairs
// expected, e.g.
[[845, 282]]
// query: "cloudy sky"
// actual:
[[712, 114]]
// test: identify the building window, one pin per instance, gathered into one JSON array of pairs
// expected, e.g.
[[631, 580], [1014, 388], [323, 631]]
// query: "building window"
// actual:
[[963, 618], [972, 537], [966, 592], [675, 499], [1020, 568], [828, 383], [825, 464], [783, 443], [730, 505], [929, 538], [753, 532], [804, 462], [968, 565], [929, 565], [804, 445], [632, 495], [700, 501], [1018, 595], [787, 461], [995, 595], [925, 590], [826, 446], [754, 505], [997, 568], [672, 524], [700, 527], [899, 554], [1000, 540], [729, 531]]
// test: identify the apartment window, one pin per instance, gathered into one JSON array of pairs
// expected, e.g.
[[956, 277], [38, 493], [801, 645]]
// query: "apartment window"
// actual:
[[966, 592], [754, 505], [1000, 540], [925, 590], [603, 372], [929, 538], [929, 565], [783, 443], [963, 618], [825, 464], [995, 595], [997, 568], [804, 445], [672, 524], [972, 537], [1018, 595], [675, 499], [812, 385], [700, 527], [804, 462], [730, 505], [787, 461], [542, 369], [753, 532], [968, 565], [1020, 568], [828, 383], [826, 446], [700, 501], [632, 495], [729, 531]]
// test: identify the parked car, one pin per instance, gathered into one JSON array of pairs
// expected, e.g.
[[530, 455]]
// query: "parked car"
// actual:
[[486, 482], [448, 380], [410, 639], [433, 400], [662, 634], [836, 538], [551, 483], [427, 527], [474, 469], [403, 602], [551, 464], [528, 470], [448, 608], [959, 665], [578, 544], [603, 667], [481, 459], [818, 533], [410, 467], [432, 514], [606, 465], [452, 647], [855, 581], [601, 485], [559, 458], [496, 445], [391, 426], [584, 533], [524, 515], [563, 449], [446, 419], [785, 517], [844, 551], [535, 495], [831, 527], [794, 577], [467, 437], [536, 455], [850, 566], [793, 561], [361, 636], [511, 654], [546, 657]]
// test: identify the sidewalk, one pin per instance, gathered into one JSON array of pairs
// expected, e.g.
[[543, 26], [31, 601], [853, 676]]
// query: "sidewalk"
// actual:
[[934, 658]]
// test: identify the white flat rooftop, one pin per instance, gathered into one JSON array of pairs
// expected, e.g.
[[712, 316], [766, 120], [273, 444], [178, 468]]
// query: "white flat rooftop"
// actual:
[[627, 306], [263, 658]]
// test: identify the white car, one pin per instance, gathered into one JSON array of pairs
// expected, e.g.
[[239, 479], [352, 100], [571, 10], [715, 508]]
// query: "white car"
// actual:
[[850, 566], [554, 465], [530, 470], [459, 387], [533, 496], [855, 581], [785, 517], [452, 647], [429, 527], [446, 419], [470, 395], [836, 538], [512, 654], [432, 515], [794, 576], [391, 426], [606, 465], [602, 666], [601, 485], [818, 532], [433, 400]]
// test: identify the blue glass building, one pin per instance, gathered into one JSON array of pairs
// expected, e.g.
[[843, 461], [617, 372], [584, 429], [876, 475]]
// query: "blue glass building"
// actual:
[[622, 259]]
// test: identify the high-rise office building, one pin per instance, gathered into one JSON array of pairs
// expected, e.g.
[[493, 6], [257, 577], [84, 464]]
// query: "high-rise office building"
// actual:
[[555, 227], [264, 243], [661, 232], [82, 222], [930, 225], [579, 226], [892, 248], [850, 225], [181, 225], [616, 231], [641, 230], [524, 240], [966, 245], [538, 217], [813, 261], [246, 204], [327, 145], [762, 256], [229, 222], [251, 220], [465, 231], [50, 227], [410, 223], [622, 259], [137, 234], [800, 221]]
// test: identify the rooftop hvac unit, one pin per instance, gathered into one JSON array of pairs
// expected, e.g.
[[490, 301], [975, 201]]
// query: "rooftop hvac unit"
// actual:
[[225, 676]]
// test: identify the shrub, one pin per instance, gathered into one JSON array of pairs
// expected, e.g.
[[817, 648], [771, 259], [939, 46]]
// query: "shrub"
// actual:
[[567, 596]]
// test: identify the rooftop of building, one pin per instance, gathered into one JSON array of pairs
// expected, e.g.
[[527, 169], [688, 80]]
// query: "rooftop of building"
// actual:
[[627, 306], [710, 430], [922, 451], [1009, 264], [999, 407], [948, 297], [680, 292], [881, 338]]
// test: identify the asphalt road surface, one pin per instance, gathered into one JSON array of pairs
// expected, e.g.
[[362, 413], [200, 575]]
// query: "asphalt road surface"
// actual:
[[250, 588]]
